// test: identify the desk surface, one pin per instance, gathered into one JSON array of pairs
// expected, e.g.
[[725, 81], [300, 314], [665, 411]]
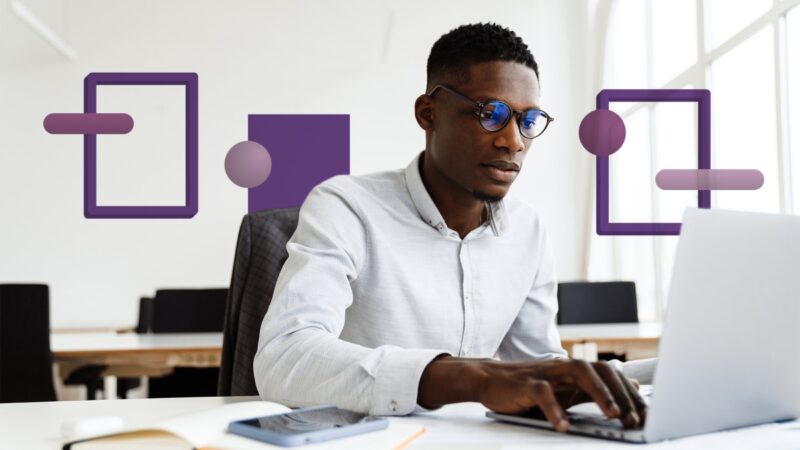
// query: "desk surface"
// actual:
[[610, 331], [76, 344], [37, 426]]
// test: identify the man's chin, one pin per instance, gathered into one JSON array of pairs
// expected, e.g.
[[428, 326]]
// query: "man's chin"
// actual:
[[491, 197]]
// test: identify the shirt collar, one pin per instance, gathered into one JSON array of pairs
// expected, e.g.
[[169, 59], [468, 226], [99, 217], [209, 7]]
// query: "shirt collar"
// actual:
[[496, 211]]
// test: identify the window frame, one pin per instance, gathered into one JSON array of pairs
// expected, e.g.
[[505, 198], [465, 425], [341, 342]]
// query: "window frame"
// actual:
[[698, 76]]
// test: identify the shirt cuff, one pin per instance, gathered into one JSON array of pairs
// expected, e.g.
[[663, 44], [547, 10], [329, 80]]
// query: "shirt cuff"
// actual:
[[642, 370], [397, 381]]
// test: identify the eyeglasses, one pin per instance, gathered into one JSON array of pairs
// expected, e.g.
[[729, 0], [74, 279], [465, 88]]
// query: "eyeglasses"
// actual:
[[494, 115]]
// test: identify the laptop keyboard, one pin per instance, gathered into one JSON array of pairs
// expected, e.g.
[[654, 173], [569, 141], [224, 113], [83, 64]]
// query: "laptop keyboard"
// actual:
[[597, 419], [600, 421], [589, 414]]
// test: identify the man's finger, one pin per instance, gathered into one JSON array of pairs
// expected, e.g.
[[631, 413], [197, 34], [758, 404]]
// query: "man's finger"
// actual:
[[589, 382], [613, 379], [638, 401], [542, 393]]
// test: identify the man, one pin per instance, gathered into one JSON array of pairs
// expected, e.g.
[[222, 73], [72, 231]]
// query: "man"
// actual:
[[400, 286]]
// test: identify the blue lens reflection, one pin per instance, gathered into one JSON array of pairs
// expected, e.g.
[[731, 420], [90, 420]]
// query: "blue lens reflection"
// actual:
[[494, 115], [532, 123]]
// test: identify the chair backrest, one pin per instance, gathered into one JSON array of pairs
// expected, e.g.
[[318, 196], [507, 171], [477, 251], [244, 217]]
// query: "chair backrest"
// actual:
[[260, 254], [145, 324], [26, 364], [597, 302], [188, 310]]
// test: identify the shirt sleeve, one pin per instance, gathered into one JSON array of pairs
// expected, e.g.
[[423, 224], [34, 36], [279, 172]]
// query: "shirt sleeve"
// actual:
[[300, 359], [642, 370], [533, 334]]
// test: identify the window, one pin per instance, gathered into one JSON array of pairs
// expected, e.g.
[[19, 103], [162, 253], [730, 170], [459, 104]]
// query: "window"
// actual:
[[743, 124], [792, 118], [745, 54], [725, 19]]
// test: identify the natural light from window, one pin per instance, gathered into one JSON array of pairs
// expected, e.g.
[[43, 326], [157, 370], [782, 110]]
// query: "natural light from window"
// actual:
[[743, 121], [793, 73], [725, 18], [737, 51]]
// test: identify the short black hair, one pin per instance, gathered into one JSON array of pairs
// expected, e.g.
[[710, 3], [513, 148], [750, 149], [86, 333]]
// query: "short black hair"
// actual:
[[476, 43]]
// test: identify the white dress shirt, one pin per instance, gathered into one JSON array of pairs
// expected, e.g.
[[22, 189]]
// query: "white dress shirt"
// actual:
[[376, 286]]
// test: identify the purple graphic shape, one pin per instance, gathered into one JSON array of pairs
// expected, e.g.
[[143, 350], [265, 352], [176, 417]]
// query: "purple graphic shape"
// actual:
[[602, 132], [703, 99], [91, 210], [305, 150], [248, 164], [88, 123], [711, 179]]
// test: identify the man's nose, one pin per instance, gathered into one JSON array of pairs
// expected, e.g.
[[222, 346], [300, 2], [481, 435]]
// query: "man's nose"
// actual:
[[510, 138]]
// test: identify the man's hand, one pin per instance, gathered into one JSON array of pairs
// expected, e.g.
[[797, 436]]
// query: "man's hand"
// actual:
[[515, 387]]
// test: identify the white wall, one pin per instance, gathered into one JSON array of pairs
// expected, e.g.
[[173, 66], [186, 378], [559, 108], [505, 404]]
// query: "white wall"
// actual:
[[365, 58]]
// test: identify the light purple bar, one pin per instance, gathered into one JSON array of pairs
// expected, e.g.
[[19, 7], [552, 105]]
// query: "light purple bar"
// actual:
[[709, 179], [88, 123]]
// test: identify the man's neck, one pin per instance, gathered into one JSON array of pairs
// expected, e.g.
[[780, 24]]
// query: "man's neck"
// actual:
[[461, 210]]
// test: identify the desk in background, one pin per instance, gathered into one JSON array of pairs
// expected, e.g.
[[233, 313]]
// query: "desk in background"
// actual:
[[635, 340], [134, 355]]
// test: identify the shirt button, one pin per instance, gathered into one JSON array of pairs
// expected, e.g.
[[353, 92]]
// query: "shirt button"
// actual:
[[393, 406]]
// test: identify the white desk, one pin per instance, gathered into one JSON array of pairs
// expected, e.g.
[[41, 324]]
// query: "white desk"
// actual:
[[91, 344], [134, 355], [636, 340], [35, 426]]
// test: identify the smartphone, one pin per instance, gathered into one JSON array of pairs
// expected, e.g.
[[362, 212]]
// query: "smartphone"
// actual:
[[307, 425]]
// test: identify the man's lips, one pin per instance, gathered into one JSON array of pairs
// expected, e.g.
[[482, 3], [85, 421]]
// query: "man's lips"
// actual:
[[502, 171], [503, 165]]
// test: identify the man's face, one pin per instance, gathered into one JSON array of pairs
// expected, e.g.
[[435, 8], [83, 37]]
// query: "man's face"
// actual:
[[461, 150]]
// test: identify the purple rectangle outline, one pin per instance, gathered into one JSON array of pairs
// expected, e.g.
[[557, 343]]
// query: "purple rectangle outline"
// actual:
[[703, 99], [91, 209]]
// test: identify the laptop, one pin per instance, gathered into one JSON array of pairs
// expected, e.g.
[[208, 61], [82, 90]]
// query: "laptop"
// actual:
[[729, 354]]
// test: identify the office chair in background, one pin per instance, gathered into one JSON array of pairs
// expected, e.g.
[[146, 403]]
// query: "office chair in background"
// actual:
[[26, 363], [597, 302], [584, 302], [187, 311]]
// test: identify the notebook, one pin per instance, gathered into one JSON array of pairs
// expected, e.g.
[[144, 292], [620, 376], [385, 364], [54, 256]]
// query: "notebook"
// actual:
[[207, 430]]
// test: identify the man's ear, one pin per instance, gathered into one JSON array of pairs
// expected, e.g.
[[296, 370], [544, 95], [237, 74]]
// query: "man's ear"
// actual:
[[423, 112]]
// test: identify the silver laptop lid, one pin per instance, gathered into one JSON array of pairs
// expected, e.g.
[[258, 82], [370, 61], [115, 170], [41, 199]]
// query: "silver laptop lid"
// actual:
[[730, 351]]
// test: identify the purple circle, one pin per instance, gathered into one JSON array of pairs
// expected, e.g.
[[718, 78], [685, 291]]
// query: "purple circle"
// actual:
[[602, 132], [248, 164]]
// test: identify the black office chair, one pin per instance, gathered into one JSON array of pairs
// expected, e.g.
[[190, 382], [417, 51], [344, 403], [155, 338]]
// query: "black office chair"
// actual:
[[260, 254], [26, 364], [145, 322], [598, 302], [187, 311]]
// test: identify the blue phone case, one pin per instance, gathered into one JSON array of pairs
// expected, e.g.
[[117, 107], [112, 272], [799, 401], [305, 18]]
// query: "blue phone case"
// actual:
[[292, 440]]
